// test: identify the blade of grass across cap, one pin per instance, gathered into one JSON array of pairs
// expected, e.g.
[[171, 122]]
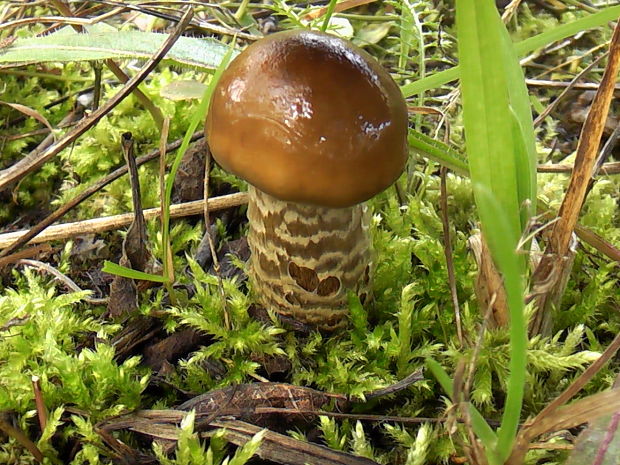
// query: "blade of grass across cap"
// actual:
[[437, 151], [328, 14], [198, 116]]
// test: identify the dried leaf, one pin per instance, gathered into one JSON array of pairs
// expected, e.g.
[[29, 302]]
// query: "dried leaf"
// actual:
[[244, 401], [599, 444], [30, 112]]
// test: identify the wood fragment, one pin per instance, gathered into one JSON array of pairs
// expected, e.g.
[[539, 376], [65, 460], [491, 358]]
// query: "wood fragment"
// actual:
[[242, 400], [107, 223], [489, 286], [552, 268], [286, 450]]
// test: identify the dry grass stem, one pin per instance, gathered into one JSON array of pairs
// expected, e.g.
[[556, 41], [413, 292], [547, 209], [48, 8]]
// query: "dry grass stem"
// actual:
[[558, 248], [67, 230], [86, 193]]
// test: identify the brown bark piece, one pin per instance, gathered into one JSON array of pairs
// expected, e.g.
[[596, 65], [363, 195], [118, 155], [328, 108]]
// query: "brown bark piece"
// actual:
[[553, 265], [243, 401], [489, 286], [173, 347]]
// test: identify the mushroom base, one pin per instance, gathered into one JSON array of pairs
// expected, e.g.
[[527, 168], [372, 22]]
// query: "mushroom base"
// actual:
[[305, 258]]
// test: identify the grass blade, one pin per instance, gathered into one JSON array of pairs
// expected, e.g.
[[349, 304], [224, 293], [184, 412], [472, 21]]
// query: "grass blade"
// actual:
[[119, 270], [479, 424], [501, 155], [102, 43], [541, 40]]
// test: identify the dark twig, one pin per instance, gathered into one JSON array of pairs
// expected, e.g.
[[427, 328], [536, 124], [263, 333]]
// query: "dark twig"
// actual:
[[85, 194], [448, 254], [22, 439], [39, 402], [33, 161], [571, 86], [68, 282]]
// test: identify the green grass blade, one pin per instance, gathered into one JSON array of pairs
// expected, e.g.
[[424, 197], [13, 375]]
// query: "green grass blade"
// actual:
[[522, 127], [486, 108], [119, 270], [528, 45], [501, 155], [328, 15], [479, 424], [441, 376], [438, 152], [563, 31], [509, 263], [197, 118], [103, 43]]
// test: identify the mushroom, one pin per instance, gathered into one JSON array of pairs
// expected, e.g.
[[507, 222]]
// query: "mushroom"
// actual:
[[316, 126]]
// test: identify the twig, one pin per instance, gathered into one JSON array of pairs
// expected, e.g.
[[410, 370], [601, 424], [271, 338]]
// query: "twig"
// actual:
[[195, 22], [448, 254], [22, 439], [571, 85], [208, 231], [86, 193], [66, 230], [606, 151], [167, 255], [589, 140], [606, 168], [33, 161], [68, 282], [596, 241], [39, 402], [578, 86], [37, 250]]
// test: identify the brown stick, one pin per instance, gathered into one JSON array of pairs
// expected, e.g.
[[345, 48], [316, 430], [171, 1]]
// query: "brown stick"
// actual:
[[35, 160], [66, 230], [563, 230], [578, 86], [607, 168], [86, 193], [39, 402]]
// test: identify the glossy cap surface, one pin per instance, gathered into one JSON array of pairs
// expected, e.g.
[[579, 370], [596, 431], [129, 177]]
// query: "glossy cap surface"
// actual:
[[308, 117]]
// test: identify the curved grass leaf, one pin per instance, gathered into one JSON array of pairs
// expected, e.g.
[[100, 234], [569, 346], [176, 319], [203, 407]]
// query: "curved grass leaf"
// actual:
[[438, 152], [119, 270], [479, 424], [500, 144], [103, 43], [541, 40]]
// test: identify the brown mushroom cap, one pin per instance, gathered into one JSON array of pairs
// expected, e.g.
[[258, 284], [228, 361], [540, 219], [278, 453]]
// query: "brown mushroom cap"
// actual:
[[307, 117]]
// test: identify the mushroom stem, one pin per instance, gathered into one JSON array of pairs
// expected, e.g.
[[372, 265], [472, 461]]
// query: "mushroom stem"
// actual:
[[306, 258]]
